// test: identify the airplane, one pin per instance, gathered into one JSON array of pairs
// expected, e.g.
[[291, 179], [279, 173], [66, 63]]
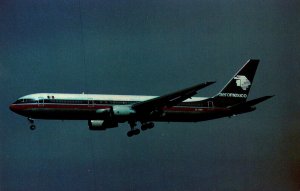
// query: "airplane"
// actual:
[[103, 111]]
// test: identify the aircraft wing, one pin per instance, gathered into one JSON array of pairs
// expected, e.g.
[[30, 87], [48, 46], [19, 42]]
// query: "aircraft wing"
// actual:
[[168, 100]]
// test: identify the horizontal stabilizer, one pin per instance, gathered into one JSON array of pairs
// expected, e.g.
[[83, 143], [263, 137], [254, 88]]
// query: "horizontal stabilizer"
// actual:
[[249, 103]]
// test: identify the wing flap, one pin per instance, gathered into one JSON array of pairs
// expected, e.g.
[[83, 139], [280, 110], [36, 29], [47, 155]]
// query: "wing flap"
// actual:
[[250, 103]]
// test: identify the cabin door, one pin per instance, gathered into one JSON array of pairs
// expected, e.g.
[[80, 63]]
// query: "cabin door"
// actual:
[[40, 102], [210, 104], [90, 102]]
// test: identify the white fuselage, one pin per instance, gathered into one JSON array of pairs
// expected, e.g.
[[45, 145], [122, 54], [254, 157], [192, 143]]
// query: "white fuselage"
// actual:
[[95, 106]]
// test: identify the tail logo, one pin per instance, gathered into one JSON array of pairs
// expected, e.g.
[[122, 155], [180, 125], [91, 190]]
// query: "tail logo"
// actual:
[[242, 82]]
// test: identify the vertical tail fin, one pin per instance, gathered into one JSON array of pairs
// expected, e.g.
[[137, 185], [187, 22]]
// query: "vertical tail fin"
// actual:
[[237, 89]]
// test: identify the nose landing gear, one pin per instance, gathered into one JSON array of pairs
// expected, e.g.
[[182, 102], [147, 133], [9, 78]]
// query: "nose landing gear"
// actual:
[[32, 125]]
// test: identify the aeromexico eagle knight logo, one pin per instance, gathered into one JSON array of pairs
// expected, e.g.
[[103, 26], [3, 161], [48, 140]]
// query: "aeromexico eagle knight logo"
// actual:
[[242, 82]]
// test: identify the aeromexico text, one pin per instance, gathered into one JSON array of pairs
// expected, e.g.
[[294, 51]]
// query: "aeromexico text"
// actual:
[[233, 95]]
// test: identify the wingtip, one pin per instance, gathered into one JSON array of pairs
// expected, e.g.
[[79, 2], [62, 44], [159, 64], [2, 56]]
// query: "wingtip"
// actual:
[[268, 97], [254, 60], [209, 83]]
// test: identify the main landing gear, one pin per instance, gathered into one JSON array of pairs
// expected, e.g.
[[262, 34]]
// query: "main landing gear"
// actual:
[[32, 125], [135, 131], [146, 126]]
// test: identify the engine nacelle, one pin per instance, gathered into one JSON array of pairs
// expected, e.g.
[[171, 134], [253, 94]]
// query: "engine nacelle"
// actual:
[[101, 124], [123, 110]]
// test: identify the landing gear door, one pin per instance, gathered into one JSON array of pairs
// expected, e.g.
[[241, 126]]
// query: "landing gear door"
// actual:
[[40, 102]]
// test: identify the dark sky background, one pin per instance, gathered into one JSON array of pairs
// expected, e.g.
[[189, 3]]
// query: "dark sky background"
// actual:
[[150, 48]]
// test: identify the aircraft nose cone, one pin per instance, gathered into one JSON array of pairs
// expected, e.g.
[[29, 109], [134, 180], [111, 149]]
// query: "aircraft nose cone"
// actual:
[[18, 109], [12, 107]]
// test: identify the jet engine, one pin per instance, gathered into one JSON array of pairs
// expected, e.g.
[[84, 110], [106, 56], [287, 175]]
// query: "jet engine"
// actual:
[[101, 124]]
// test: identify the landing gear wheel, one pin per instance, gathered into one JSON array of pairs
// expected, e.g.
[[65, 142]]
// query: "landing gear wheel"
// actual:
[[129, 134], [136, 131], [32, 127], [147, 126], [133, 130], [144, 127], [150, 125]]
